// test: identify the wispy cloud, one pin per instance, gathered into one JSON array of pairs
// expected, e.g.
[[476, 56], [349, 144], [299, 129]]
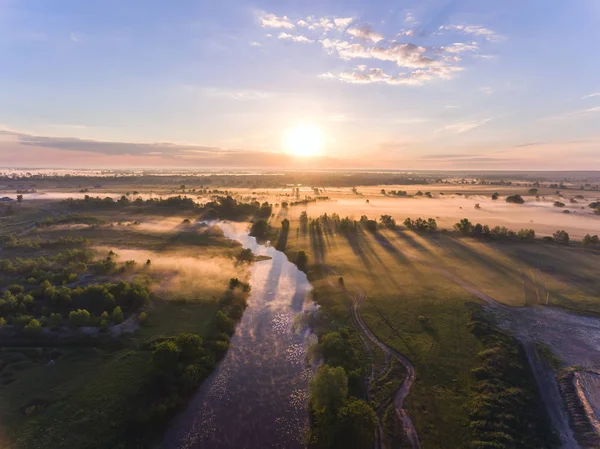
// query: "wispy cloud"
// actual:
[[295, 38], [596, 94], [365, 32], [573, 114], [473, 30], [459, 47], [377, 75], [235, 94], [410, 18], [463, 127]]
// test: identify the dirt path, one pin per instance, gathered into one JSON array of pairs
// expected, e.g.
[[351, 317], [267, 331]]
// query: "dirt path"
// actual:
[[404, 390]]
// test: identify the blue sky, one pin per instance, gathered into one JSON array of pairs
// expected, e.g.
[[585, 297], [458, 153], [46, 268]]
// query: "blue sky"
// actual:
[[394, 84]]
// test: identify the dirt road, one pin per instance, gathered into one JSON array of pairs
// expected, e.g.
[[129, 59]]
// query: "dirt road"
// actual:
[[404, 390]]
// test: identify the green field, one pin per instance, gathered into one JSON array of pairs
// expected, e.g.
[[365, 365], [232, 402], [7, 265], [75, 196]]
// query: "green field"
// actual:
[[413, 306]]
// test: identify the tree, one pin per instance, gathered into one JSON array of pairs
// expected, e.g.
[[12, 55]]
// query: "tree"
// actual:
[[356, 425], [559, 204], [561, 236], [302, 261], [495, 196], [387, 221], [590, 240], [19, 199], [190, 346], [260, 229], [533, 191], [117, 315], [246, 255], [165, 357], [329, 389], [224, 323], [79, 318], [337, 350], [464, 226], [285, 224]]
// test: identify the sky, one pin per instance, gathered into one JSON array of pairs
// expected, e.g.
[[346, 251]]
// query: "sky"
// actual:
[[393, 84]]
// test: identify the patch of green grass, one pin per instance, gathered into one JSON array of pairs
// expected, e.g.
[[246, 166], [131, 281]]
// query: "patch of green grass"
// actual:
[[172, 318]]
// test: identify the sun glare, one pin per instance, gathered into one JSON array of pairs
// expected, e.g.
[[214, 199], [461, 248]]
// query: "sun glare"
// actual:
[[304, 141]]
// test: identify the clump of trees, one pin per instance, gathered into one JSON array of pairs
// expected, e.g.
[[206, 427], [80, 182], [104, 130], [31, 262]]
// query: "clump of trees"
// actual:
[[516, 199], [465, 227], [561, 236], [421, 224], [84, 306]]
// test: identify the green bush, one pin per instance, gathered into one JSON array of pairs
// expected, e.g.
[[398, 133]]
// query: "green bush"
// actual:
[[33, 327]]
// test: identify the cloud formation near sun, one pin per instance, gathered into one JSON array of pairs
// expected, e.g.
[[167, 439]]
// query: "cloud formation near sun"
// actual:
[[407, 63]]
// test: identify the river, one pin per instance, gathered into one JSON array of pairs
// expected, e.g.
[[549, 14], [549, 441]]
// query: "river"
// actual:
[[257, 396]]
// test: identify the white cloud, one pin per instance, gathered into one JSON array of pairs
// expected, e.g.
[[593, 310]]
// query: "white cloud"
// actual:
[[463, 127], [255, 44], [295, 38], [273, 21], [409, 18], [364, 32], [596, 94], [325, 24], [342, 22], [486, 90], [403, 55], [236, 94], [473, 30]]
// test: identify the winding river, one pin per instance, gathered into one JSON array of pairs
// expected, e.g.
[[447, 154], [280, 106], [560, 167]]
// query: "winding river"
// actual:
[[257, 396]]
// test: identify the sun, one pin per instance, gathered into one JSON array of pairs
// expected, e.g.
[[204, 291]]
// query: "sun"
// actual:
[[304, 141]]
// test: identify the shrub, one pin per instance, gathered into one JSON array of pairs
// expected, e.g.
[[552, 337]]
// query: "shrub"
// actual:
[[33, 327], [55, 320], [559, 204], [143, 318], [516, 199], [117, 315]]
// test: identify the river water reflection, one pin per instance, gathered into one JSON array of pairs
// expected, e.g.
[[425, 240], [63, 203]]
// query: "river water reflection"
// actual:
[[257, 397]]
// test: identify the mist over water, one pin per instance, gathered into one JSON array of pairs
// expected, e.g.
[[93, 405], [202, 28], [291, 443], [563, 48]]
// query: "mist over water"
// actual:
[[258, 395]]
